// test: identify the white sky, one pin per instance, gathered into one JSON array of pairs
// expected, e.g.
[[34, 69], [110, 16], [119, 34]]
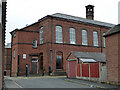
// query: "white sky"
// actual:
[[22, 12]]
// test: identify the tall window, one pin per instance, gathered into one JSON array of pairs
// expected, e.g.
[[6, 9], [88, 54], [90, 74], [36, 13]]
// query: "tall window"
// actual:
[[41, 35], [58, 34], [95, 38], [14, 53], [34, 43], [84, 37], [59, 60], [72, 36], [103, 40]]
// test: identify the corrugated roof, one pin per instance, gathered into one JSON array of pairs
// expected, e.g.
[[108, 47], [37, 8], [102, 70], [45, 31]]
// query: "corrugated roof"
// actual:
[[8, 45], [113, 30], [98, 57], [79, 19]]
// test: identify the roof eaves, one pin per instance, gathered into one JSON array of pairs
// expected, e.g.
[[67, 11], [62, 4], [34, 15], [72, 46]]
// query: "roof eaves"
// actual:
[[80, 21], [15, 30], [110, 34]]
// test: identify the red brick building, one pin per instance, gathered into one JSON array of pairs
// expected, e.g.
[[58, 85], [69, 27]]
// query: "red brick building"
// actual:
[[45, 44], [113, 54], [7, 60]]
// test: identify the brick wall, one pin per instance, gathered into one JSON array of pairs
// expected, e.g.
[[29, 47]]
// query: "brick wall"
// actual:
[[112, 58], [7, 60]]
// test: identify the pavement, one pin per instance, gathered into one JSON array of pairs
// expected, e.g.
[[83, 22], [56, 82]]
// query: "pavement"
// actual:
[[53, 82], [92, 84]]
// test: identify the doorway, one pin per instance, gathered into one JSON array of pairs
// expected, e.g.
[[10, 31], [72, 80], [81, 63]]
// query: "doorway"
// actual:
[[34, 67], [59, 61]]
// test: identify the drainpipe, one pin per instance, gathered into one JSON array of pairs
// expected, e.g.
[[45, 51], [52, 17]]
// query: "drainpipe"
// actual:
[[101, 39], [52, 45], [11, 57]]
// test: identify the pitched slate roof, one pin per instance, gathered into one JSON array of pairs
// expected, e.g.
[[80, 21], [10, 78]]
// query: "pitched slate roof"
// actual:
[[73, 19], [113, 30], [79, 19], [98, 57]]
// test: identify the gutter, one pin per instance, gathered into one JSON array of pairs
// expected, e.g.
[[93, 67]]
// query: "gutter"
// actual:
[[52, 44]]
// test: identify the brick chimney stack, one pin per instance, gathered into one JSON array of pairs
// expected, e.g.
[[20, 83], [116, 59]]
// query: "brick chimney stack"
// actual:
[[90, 12]]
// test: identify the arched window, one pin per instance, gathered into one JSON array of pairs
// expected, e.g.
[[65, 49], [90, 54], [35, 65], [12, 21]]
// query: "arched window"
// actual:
[[58, 34], [72, 36], [84, 37], [41, 35], [95, 38], [59, 60]]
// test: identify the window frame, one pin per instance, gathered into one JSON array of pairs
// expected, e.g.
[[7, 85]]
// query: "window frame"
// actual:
[[41, 35], [59, 55], [34, 43], [95, 41], [84, 37], [59, 36], [72, 33]]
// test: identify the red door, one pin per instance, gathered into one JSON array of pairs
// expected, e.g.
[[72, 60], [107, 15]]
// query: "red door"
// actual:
[[72, 69]]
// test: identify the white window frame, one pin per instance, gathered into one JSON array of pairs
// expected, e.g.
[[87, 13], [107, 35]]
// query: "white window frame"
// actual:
[[41, 35], [72, 36], [59, 34], [84, 37], [95, 38]]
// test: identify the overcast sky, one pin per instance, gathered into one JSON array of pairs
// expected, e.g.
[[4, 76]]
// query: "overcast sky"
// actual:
[[23, 12]]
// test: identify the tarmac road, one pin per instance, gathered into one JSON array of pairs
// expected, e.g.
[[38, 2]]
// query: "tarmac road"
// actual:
[[41, 82], [53, 82]]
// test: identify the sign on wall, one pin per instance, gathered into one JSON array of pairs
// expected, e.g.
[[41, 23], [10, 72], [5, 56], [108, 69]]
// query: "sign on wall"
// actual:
[[24, 56]]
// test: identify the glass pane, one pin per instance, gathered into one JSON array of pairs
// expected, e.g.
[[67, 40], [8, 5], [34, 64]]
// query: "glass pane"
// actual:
[[95, 38], [72, 36], [41, 35], [59, 62], [84, 37], [58, 34]]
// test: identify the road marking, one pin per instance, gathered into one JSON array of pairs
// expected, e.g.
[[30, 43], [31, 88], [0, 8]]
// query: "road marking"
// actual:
[[18, 84]]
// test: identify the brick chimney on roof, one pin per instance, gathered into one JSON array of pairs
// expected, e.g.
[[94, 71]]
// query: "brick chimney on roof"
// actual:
[[90, 12]]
